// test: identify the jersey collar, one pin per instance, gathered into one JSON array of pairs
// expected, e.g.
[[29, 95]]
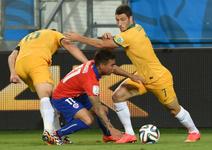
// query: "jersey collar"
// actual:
[[131, 26], [96, 72]]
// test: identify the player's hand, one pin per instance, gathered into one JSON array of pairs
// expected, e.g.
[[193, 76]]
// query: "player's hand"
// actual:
[[14, 78], [115, 133], [72, 36], [107, 36], [137, 79]]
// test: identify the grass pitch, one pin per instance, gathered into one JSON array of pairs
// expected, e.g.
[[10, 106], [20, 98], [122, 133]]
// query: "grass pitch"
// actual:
[[171, 139]]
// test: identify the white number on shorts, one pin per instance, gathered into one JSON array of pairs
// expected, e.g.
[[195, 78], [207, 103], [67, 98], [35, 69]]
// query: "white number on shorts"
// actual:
[[70, 101]]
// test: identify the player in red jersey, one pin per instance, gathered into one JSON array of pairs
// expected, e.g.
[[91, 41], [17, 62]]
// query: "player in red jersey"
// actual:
[[78, 92]]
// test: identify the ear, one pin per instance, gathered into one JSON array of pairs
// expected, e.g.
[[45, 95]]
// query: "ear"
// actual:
[[131, 20], [101, 66]]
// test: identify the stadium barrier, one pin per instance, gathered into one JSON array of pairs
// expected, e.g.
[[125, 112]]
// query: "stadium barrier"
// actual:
[[192, 73]]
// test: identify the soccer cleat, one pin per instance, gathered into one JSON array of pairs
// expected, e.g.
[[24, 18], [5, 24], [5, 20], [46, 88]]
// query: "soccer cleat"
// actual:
[[110, 138], [127, 138], [66, 140], [45, 137], [53, 139], [56, 139], [193, 137]]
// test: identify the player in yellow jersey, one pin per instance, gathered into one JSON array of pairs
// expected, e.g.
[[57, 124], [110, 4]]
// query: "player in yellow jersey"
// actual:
[[30, 62], [156, 78]]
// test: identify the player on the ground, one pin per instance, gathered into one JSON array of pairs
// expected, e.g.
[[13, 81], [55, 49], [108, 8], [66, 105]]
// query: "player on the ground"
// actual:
[[157, 78], [30, 62], [78, 92]]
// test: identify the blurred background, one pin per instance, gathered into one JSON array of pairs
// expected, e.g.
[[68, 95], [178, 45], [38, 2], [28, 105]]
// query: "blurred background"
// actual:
[[180, 31]]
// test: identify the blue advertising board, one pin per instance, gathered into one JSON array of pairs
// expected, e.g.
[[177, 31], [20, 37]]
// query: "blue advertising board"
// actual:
[[17, 13], [175, 23]]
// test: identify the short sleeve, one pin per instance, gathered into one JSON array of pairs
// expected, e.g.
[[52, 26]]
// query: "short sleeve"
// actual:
[[59, 37], [121, 40], [91, 87]]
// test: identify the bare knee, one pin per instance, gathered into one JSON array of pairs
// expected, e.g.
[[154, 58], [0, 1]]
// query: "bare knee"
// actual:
[[124, 92], [174, 110], [88, 120], [116, 97], [85, 116], [47, 92], [173, 107], [119, 95], [44, 89]]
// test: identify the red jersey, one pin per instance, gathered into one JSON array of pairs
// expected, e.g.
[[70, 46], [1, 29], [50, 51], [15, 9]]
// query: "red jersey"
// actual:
[[83, 79]]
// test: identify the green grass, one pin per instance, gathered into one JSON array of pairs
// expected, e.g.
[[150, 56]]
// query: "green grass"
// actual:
[[171, 139]]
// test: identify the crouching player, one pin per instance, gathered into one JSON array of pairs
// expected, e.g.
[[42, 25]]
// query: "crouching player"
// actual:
[[78, 93]]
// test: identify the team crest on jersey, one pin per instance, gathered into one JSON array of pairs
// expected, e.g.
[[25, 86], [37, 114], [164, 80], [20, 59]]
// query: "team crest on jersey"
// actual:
[[96, 90], [75, 105], [119, 39]]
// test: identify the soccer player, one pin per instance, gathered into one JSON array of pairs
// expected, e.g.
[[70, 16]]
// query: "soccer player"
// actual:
[[156, 78], [78, 92], [30, 62]]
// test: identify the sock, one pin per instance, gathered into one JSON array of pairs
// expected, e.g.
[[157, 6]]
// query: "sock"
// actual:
[[47, 113], [185, 119], [123, 113], [105, 131], [72, 127], [56, 123]]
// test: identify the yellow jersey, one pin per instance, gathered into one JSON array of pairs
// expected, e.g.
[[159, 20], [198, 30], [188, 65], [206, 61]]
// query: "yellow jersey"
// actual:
[[140, 51], [41, 43]]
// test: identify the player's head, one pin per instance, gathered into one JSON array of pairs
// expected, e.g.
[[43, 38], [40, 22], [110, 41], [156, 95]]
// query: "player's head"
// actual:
[[124, 17], [104, 60]]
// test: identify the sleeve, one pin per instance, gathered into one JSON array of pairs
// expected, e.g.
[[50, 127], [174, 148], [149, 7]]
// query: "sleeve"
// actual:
[[59, 37], [121, 40], [91, 87]]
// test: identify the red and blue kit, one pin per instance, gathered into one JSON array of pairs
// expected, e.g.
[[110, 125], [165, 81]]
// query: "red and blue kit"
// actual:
[[84, 79], [72, 92]]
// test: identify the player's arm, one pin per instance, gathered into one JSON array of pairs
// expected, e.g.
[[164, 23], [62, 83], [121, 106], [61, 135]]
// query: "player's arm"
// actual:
[[100, 111], [11, 62], [73, 50], [98, 43], [118, 71]]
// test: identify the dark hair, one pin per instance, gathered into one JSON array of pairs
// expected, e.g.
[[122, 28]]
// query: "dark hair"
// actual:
[[103, 56], [124, 9]]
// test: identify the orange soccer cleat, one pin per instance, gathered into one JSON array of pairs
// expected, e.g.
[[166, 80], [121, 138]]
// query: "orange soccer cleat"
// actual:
[[193, 137], [110, 138], [127, 138]]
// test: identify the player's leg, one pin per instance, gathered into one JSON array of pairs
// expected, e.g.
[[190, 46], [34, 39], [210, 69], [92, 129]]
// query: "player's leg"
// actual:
[[57, 126], [48, 115], [43, 84], [44, 91], [37, 76], [82, 120], [106, 133], [84, 100], [185, 119], [77, 117], [168, 98], [126, 90], [56, 123]]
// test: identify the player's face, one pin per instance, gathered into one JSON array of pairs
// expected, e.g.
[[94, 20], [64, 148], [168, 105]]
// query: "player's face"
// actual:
[[123, 22], [107, 69]]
